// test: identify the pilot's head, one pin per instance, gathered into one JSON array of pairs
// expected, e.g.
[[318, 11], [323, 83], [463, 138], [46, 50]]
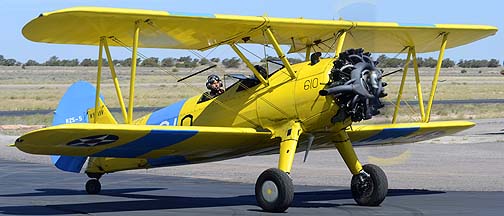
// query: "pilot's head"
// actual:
[[315, 57], [213, 82]]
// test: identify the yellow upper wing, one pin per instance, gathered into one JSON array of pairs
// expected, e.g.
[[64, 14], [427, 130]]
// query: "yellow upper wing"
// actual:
[[161, 29]]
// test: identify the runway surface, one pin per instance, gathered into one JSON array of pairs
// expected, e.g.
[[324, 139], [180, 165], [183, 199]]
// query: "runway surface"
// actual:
[[37, 189]]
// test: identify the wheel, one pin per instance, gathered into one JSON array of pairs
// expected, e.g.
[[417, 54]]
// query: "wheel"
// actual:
[[369, 188], [274, 191], [93, 186]]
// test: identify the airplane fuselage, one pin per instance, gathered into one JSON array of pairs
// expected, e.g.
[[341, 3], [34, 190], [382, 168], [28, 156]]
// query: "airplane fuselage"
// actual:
[[262, 107]]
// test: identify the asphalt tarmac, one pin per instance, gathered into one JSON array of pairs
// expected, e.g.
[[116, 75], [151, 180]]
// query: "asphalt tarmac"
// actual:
[[454, 175], [37, 189]]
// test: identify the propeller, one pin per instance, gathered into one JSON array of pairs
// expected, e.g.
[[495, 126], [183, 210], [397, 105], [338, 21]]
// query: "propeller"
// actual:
[[356, 85]]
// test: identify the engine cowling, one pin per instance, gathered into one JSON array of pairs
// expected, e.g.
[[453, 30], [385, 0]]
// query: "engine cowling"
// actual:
[[356, 86]]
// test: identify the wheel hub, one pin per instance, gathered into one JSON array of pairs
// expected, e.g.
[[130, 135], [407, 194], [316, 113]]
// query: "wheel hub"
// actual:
[[365, 184], [269, 191]]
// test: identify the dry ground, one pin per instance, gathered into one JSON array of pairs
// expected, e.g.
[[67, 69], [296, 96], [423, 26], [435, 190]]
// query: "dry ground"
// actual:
[[40, 88]]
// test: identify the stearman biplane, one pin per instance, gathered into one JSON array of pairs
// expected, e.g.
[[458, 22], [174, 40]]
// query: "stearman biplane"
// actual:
[[299, 107]]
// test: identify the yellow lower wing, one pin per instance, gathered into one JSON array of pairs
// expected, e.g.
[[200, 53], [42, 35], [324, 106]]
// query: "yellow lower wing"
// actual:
[[404, 132], [137, 141], [385, 134]]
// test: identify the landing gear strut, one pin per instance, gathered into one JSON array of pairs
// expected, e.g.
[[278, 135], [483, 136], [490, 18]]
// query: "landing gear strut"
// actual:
[[369, 183], [274, 190]]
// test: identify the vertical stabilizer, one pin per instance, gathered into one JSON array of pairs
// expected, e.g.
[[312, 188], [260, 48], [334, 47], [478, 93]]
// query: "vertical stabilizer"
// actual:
[[77, 106]]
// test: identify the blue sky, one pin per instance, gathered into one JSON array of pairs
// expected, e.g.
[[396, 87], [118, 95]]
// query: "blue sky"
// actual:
[[15, 14]]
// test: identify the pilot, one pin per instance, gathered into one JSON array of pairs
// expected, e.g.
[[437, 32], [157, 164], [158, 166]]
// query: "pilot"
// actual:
[[315, 58], [214, 84]]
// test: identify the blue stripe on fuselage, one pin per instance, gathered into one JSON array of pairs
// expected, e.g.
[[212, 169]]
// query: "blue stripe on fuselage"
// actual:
[[155, 140], [167, 116]]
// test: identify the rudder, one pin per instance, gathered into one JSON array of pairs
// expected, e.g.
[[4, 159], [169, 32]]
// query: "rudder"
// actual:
[[77, 106]]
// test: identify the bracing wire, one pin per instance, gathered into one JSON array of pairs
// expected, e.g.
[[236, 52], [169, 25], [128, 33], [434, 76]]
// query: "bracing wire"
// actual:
[[142, 56]]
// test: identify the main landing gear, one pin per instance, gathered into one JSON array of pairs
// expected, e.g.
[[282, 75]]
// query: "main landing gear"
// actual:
[[93, 185], [369, 183], [274, 190]]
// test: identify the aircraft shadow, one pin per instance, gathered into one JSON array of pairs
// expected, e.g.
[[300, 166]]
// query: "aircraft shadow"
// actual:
[[144, 202]]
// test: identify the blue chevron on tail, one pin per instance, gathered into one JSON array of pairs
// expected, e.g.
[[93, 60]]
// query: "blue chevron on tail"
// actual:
[[73, 108]]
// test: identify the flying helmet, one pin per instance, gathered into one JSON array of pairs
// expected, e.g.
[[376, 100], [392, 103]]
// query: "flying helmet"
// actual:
[[211, 79]]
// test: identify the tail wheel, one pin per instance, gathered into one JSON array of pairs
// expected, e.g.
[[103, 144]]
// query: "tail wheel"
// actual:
[[93, 186], [370, 187], [274, 190]]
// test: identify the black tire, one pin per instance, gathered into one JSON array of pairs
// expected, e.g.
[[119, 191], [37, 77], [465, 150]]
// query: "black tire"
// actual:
[[373, 190], [93, 186], [274, 190]]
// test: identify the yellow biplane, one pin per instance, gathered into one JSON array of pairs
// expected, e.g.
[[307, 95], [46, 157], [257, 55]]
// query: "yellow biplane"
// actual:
[[300, 107]]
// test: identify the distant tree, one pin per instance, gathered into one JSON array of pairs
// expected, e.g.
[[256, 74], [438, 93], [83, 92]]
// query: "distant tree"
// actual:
[[482, 63], [168, 62], [204, 61], [461, 63], [185, 59], [216, 60], [193, 63], [104, 62], [493, 63], [117, 62], [179, 65], [473, 63], [420, 62], [53, 61], [430, 62], [385, 61], [10, 62], [31, 63], [69, 63], [447, 63], [270, 58], [86, 62], [231, 63], [294, 60], [150, 62], [127, 62]]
